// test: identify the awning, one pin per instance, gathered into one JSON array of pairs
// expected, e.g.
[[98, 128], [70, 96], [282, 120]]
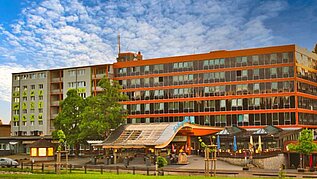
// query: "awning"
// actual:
[[153, 135], [13, 143]]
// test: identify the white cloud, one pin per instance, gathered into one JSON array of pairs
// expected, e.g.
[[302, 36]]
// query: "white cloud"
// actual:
[[6, 71], [56, 33]]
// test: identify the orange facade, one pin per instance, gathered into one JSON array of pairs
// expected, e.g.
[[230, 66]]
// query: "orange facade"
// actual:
[[248, 88]]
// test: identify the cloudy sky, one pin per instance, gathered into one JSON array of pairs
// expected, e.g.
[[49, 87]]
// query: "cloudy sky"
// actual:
[[47, 34]]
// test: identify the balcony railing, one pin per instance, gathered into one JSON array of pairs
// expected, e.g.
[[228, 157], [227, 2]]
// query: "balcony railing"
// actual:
[[57, 79]]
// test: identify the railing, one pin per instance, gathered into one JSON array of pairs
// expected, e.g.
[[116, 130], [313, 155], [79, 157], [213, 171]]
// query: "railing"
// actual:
[[56, 91], [264, 154], [55, 103], [57, 79]]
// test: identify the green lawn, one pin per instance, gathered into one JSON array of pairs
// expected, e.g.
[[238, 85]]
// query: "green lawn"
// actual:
[[105, 175]]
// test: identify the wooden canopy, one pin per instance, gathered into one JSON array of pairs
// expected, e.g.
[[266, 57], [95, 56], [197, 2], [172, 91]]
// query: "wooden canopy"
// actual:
[[153, 135]]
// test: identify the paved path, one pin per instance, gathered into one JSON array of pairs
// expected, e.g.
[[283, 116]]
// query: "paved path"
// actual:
[[197, 162]]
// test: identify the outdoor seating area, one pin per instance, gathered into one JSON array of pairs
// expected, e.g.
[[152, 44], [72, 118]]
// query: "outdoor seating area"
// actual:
[[264, 142]]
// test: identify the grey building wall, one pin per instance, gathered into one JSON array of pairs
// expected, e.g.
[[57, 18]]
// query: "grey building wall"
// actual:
[[29, 103]]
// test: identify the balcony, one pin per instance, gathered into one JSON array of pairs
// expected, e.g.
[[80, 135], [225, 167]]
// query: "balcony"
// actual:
[[97, 88], [56, 91], [53, 116], [56, 80], [55, 103], [98, 76]]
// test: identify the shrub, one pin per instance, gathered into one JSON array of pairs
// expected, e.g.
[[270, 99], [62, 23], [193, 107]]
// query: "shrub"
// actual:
[[161, 161]]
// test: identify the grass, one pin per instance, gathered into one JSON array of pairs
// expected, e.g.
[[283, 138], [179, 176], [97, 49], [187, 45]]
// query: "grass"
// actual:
[[105, 175]]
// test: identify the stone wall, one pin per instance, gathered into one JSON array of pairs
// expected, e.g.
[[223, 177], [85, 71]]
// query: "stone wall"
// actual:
[[264, 163]]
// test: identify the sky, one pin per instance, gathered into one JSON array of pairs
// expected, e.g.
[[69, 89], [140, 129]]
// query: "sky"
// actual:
[[45, 34]]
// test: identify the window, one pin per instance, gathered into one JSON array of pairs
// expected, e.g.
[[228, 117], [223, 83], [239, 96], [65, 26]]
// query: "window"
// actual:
[[25, 88], [255, 60], [285, 71], [40, 97], [244, 60], [23, 123], [32, 98], [285, 57], [42, 75], [222, 103], [273, 58], [257, 101], [81, 83], [147, 94], [16, 112], [147, 107], [146, 68], [158, 67], [273, 72], [25, 77], [40, 86], [83, 95], [40, 123], [32, 86], [146, 81], [274, 85], [244, 73], [81, 72], [32, 123], [256, 87], [16, 100], [256, 72], [24, 98], [32, 76], [72, 72], [17, 77], [16, 89]]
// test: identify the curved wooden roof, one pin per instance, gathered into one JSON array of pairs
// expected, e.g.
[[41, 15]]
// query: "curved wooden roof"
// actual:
[[155, 135]]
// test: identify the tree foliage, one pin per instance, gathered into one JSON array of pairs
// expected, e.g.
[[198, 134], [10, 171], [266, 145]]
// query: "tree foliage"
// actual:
[[305, 143], [103, 111], [69, 118], [161, 161]]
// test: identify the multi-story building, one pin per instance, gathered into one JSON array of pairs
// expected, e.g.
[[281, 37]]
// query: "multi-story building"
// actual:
[[36, 95], [250, 88]]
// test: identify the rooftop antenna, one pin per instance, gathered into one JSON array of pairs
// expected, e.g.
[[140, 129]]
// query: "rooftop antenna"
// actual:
[[119, 49]]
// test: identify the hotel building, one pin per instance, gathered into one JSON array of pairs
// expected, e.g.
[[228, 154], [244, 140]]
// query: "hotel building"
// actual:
[[249, 88]]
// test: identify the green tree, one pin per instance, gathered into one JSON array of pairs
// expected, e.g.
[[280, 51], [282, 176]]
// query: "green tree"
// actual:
[[103, 111], [305, 145], [70, 116]]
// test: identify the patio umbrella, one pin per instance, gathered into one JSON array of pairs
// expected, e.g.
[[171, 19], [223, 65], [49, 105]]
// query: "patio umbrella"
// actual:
[[251, 144], [251, 140], [235, 147], [260, 144], [218, 142]]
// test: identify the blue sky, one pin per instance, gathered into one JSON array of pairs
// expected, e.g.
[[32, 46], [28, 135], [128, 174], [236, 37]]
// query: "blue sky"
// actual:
[[46, 34]]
